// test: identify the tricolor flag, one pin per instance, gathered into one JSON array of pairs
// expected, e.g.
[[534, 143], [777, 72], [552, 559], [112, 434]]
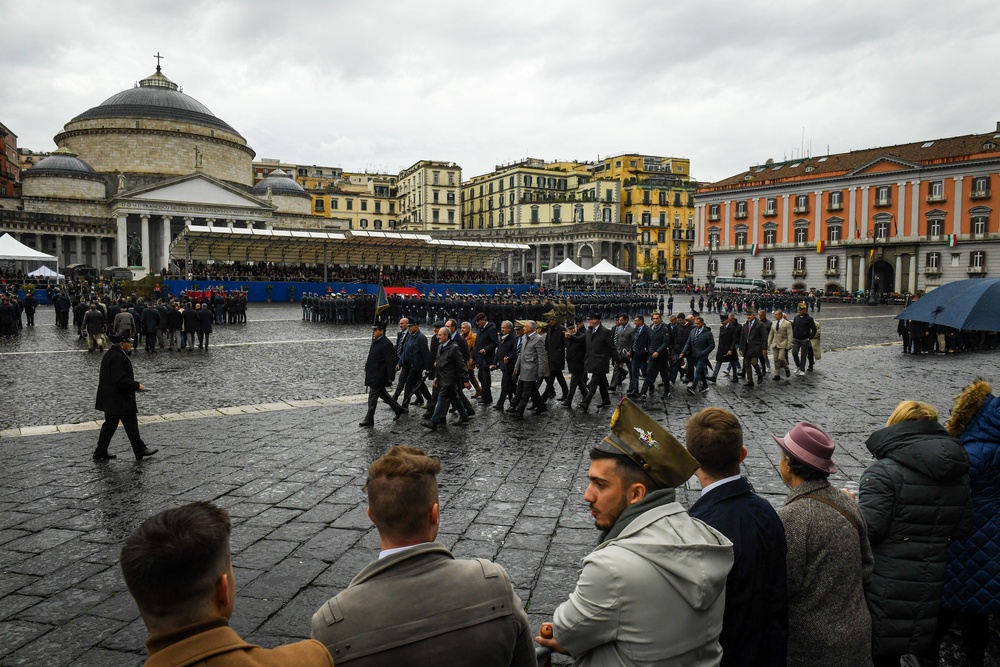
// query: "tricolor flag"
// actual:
[[952, 240], [754, 249], [820, 246], [871, 255]]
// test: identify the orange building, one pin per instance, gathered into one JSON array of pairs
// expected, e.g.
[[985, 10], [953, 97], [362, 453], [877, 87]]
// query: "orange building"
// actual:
[[10, 169], [903, 218]]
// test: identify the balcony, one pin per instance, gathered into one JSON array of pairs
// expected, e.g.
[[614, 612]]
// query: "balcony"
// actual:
[[933, 270], [767, 273], [740, 215], [934, 199], [800, 209], [831, 273], [980, 194], [882, 202], [739, 274], [798, 273], [976, 270], [713, 217], [768, 212], [835, 207]]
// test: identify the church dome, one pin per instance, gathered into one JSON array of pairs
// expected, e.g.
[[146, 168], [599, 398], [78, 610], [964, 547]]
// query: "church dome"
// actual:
[[62, 162], [281, 184], [155, 97]]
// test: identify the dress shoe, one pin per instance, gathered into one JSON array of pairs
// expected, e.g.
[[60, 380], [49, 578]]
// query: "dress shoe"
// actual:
[[603, 405], [788, 373], [777, 377], [428, 424], [463, 420], [145, 453], [367, 423], [498, 407], [712, 380], [585, 406], [403, 409], [512, 409], [472, 413], [516, 416], [398, 415], [104, 457]]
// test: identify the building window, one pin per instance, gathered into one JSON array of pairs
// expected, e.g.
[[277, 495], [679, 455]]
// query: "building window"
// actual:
[[677, 263], [979, 225], [800, 263], [771, 206], [435, 196], [977, 259], [645, 197], [318, 206], [663, 219], [609, 195], [801, 234], [883, 196], [739, 266], [378, 224], [713, 212], [661, 237], [534, 214], [835, 201], [832, 263], [713, 238], [881, 230], [364, 204], [364, 223], [451, 217], [378, 207], [801, 203], [645, 219], [334, 204], [769, 236], [689, 264], [556, 213], [935, 227], [628, 218], [527, 180], [436, 177], [392, 207], [741, 238], [933, 260], [606, 214], [769, 265], [663, 198], [741, 209], [713, 266], [935, 191], [435, 215], [451, 178], [578, 213], [980, 188]]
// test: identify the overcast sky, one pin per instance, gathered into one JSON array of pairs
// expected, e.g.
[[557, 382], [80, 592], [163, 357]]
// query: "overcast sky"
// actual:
[[376, 86]]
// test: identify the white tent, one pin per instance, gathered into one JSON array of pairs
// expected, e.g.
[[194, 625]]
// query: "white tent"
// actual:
[[45, 272], [567, 268], [13, 250], [606, 268]]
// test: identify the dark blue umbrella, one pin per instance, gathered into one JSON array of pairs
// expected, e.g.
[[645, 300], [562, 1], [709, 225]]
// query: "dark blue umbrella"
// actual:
[[969, 305]]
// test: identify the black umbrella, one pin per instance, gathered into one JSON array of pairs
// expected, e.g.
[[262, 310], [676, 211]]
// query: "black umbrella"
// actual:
[[967, 305]]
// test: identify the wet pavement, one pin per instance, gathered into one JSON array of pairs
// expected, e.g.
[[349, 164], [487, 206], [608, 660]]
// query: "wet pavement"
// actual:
[[265, 425]]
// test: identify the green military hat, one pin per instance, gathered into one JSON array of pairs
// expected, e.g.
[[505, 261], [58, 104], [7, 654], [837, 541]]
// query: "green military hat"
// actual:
[[641, 438]]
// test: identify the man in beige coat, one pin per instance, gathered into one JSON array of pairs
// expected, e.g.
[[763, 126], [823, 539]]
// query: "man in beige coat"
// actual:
[[780, 341], [418, 604]]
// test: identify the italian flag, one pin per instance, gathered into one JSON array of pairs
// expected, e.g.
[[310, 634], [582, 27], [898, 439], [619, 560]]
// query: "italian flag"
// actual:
[[952, 240], [754, 249], [820, 246]]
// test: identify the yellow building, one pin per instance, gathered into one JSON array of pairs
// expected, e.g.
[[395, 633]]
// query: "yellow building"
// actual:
[[658, 198], [559, 209], [429, 194]]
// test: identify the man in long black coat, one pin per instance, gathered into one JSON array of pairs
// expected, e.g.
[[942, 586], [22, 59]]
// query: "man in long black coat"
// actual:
[[116, 398], [380, 368], [555, 346], [600, 354], [484, 355]]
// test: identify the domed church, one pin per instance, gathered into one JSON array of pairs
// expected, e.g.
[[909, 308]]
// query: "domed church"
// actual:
[[131, 172]]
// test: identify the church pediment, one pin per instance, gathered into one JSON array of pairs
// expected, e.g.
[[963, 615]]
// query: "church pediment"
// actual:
[[884, 164], [196, 189]]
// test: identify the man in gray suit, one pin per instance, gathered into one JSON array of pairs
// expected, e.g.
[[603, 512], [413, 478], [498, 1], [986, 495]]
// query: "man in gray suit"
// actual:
[[697, 348], [418, 604], [532, 367]]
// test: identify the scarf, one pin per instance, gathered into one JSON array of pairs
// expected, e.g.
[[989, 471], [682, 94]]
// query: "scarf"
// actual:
[[653, 499]]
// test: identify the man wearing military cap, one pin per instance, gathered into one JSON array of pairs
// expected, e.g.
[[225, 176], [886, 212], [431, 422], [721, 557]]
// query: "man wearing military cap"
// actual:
[[653, 591]]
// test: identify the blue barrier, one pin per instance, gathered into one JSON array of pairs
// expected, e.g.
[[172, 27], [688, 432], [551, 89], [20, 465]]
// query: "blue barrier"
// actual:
[[292, 291]]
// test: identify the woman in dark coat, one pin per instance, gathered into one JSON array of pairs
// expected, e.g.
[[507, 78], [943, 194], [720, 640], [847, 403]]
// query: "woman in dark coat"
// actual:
[[972, 583], [914, 499]]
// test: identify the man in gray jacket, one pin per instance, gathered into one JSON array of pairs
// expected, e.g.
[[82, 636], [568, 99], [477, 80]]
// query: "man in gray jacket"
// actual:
[[418, 604], [653, 591]]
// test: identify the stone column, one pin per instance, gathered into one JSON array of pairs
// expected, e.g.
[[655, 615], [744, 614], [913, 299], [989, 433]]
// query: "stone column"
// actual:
[[59, 250], [852, 213], [956, 223], [76, 252], [897, 281], [538, 261], [912, 282], [899, 224], [784, 221], [166, 238], [863, 270], [849, 273], [121, 241], [144, 222]]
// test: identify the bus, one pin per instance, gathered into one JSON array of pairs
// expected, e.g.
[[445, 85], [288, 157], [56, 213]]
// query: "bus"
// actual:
[[724, 282]]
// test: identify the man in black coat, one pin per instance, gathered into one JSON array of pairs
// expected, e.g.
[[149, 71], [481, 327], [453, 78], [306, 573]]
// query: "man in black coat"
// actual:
[[206, 317], [600, 354], [484, 356], [30, 305], [116, 398], [576, 355], [416, 360], [659, 357], [728, 351], [506, 359], [755, 623], [638, 354], [380, 368], [150, 323], [190, 327], [555, 347], [753, 345]]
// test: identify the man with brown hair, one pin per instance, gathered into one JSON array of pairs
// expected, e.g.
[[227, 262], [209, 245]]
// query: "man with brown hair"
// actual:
[[755, 624], [178, 568], [417, 603]]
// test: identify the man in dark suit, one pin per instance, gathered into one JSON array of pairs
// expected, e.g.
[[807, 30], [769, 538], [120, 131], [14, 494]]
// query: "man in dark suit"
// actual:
[[729, 347], [659, 357], [116, 389], [379, 371], [506, 359], [484, 354], [638, 354], [555, 346], [600, 353], [207, 318], [416, 361], [755, 623], [621, 336], [753, 343], [699, 345]]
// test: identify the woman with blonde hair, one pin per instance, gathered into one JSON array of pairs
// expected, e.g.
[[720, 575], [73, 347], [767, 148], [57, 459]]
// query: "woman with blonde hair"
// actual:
[[914, 499]]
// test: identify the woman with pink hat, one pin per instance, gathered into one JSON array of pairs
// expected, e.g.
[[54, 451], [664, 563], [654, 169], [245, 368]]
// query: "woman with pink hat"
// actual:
[[829, 558]]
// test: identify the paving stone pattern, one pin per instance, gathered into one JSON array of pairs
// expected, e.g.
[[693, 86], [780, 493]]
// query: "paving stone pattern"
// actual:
[[291, 479]]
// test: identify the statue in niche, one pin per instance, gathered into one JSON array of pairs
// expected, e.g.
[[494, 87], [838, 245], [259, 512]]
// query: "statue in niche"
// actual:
[[134, 250], [121, 181]]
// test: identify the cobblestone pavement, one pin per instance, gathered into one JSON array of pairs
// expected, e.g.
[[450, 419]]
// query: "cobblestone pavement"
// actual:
[[291, 474]]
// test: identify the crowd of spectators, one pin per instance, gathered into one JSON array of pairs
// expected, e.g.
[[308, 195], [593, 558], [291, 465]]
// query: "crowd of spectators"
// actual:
[[392, 276]]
